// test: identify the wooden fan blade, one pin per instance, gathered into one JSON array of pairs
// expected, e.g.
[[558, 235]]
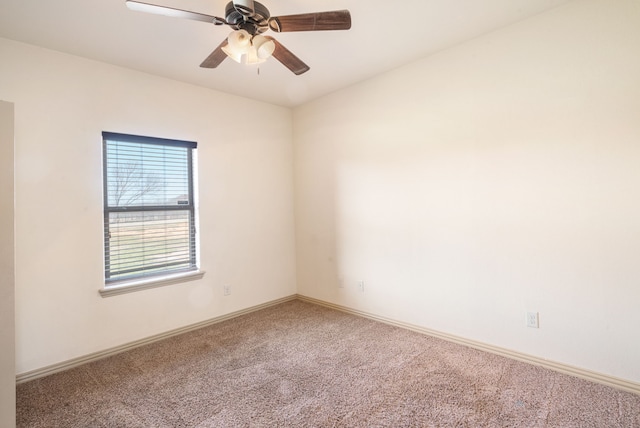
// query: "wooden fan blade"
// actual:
[[333, 20], [176, 13], [216, 57], [288, 59]]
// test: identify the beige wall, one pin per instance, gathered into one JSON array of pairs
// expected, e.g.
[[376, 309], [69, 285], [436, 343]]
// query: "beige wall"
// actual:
[[7, 271], [495, 178], [62, 103], [492, 179]]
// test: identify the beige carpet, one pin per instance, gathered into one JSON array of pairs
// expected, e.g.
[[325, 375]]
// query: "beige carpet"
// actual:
[[302, 365]]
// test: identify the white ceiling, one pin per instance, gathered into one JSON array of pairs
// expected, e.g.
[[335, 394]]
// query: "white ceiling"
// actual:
[[385, 34]]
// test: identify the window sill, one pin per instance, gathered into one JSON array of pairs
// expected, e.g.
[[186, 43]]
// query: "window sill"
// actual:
[[145, 284]]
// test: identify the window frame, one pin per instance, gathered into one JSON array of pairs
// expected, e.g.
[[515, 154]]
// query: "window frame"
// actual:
[[145, 279]]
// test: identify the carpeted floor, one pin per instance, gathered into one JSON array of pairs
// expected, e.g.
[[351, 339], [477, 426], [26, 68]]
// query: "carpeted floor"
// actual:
[[302, 365]]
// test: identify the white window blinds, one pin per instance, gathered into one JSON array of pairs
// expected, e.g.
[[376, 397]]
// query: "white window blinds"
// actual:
[[149, 215]]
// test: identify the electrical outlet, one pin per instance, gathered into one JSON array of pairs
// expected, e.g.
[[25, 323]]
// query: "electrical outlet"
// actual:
[[226, 289], [532, 320], [361, 286], [340, 283]]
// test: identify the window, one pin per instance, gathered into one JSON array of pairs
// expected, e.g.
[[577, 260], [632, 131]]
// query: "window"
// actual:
[[149, 214]]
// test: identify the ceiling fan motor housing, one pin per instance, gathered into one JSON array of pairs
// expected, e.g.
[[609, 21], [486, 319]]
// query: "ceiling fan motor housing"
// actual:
[[245, 7], [238, 16]]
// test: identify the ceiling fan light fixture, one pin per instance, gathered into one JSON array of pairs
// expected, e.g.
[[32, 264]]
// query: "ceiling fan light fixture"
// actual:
[[244, 48], [252, 56], [264, 47], [238, 43], [231, 53], [239, 39]]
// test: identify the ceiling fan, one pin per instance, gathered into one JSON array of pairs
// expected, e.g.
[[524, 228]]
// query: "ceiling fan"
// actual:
[[250, 19]]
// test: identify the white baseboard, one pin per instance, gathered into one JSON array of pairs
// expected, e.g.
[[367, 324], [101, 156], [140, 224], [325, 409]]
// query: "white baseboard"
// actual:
[[75, 362], [552, 365]]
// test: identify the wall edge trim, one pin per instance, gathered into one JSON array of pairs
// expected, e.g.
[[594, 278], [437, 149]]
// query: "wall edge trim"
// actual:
[[95, 356], [622, 384], [589, 375]]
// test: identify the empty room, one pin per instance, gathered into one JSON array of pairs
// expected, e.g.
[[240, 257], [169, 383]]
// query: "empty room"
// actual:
[[339, 213]]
